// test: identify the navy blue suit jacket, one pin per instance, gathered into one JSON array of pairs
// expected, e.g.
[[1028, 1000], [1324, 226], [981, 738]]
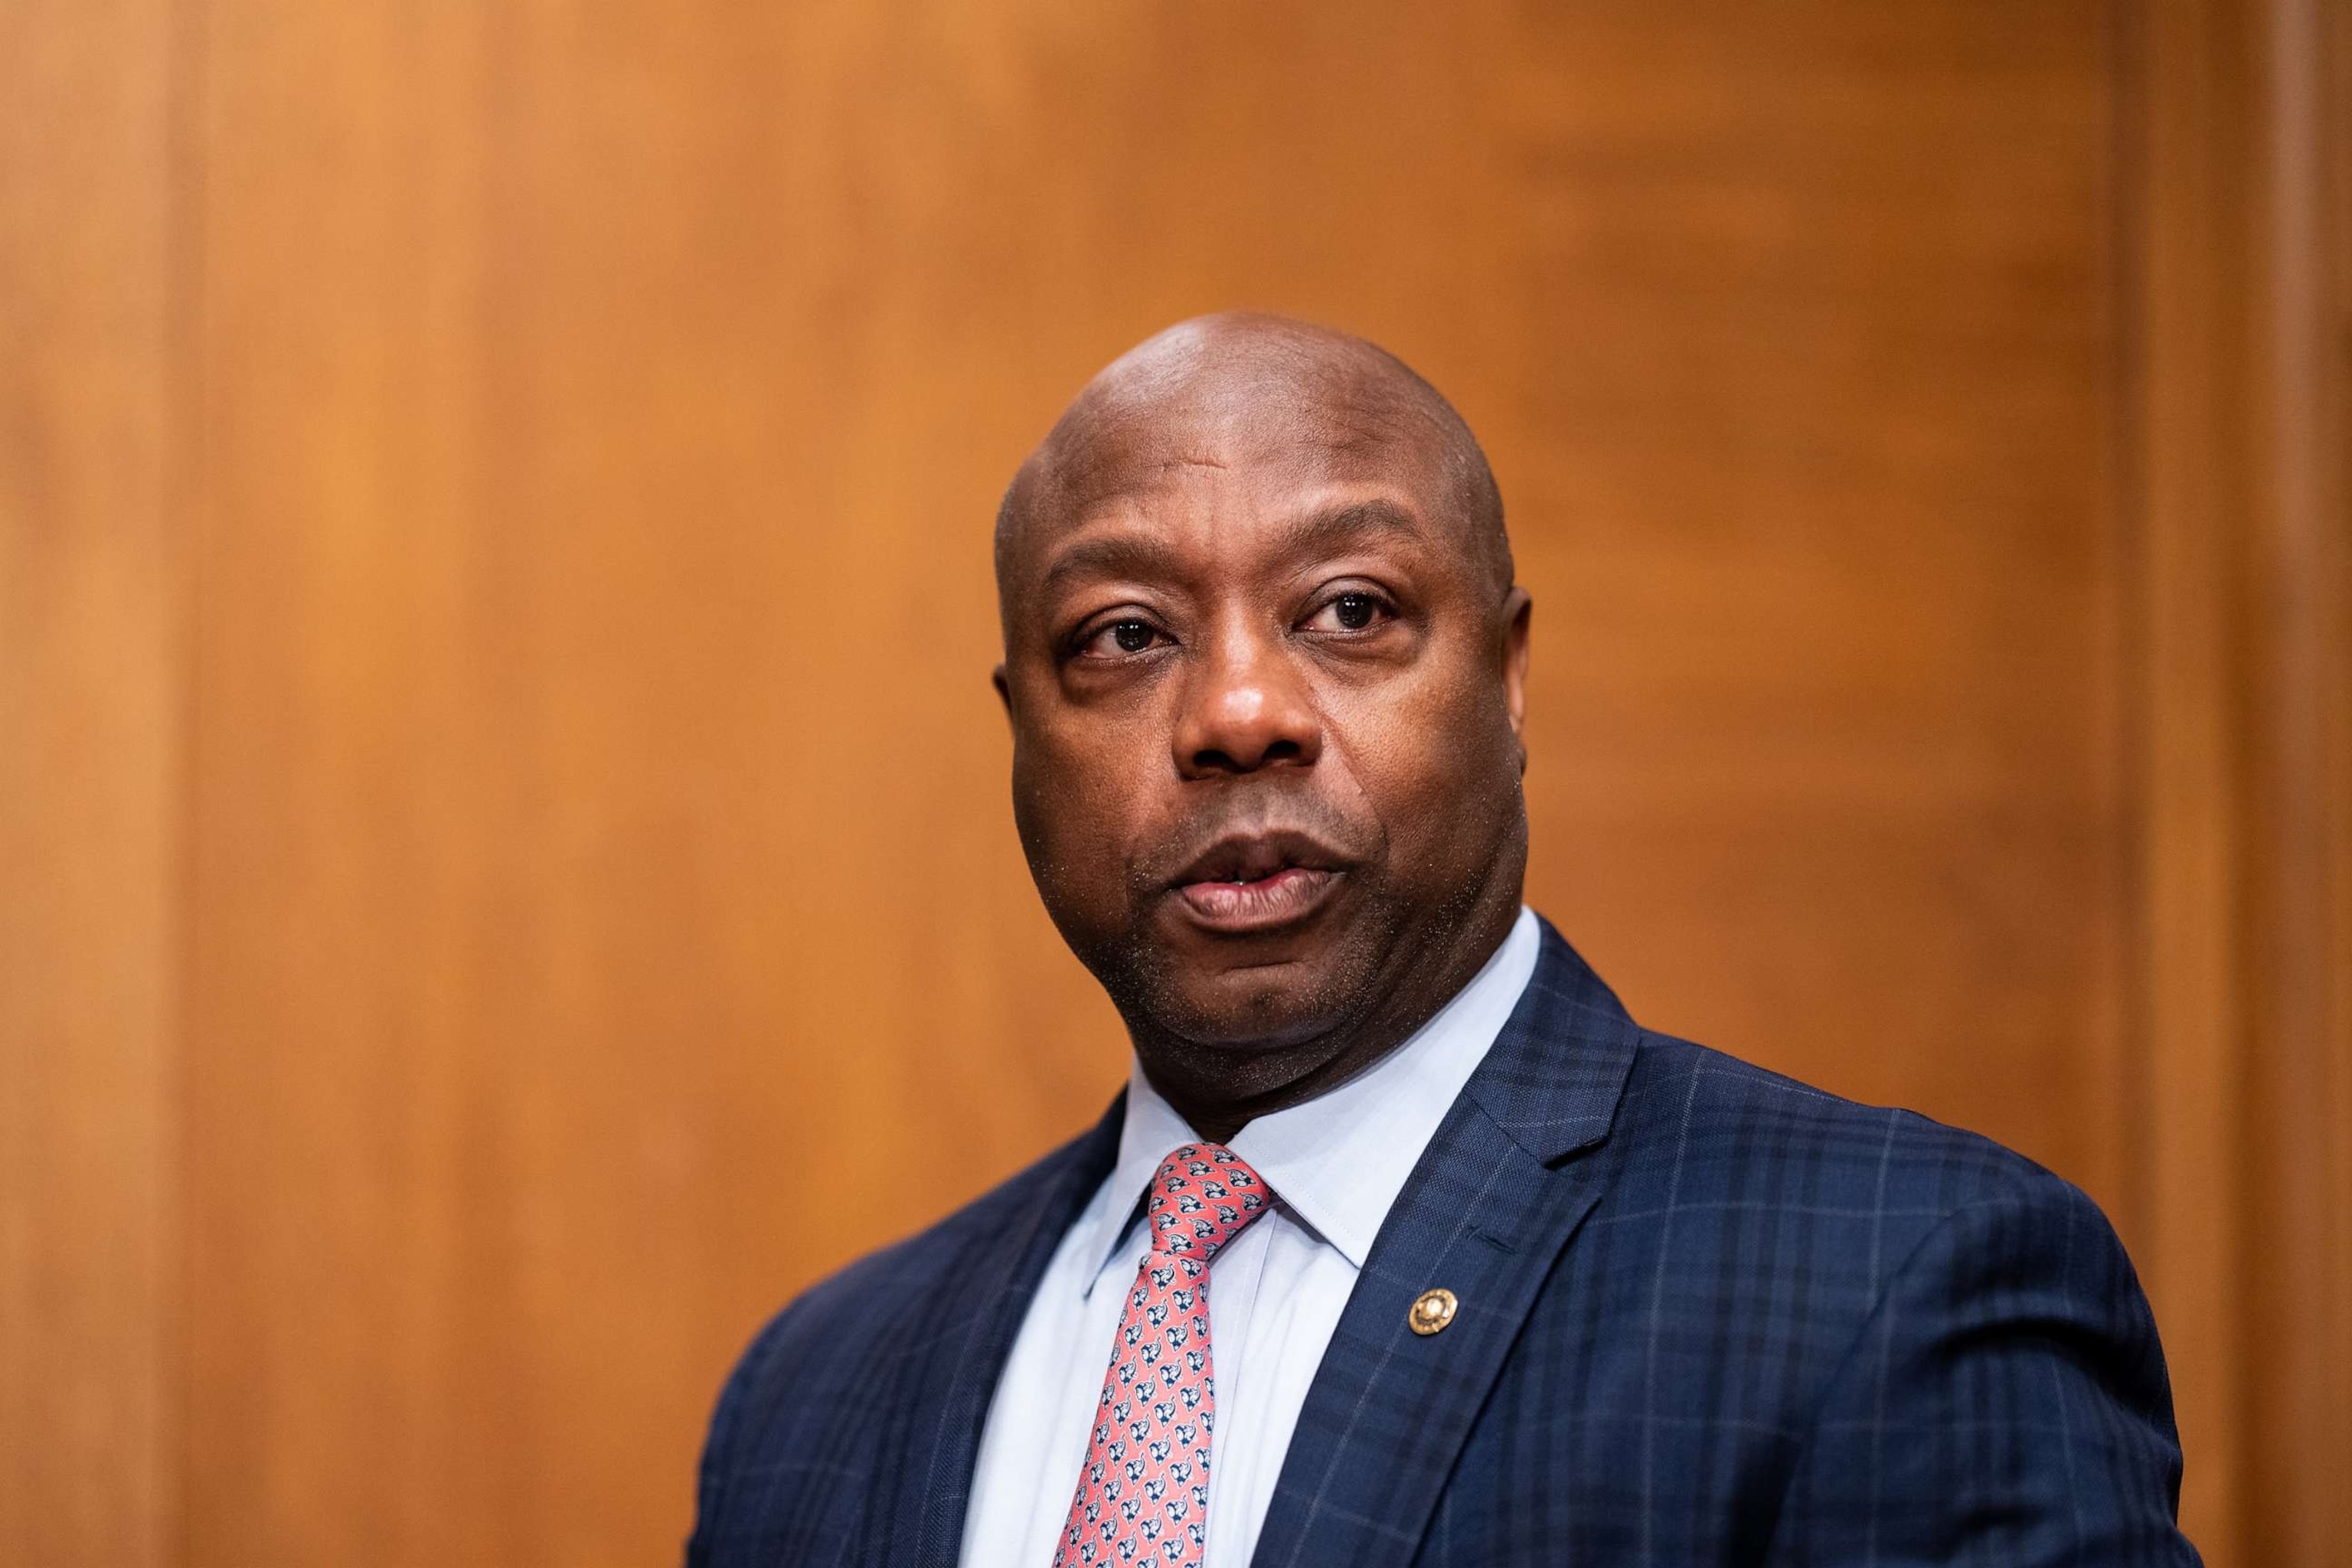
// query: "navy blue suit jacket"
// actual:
[[1707, 1316]]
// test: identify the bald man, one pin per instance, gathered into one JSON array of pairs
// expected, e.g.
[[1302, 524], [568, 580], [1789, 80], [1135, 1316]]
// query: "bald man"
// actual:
[[1404, 1243]]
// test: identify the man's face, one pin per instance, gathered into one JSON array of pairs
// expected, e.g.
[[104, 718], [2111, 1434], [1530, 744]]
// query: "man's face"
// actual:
[[1266, 699]]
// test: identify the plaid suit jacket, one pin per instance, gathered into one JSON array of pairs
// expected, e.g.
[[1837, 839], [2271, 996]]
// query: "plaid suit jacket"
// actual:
[[1707, 1316]]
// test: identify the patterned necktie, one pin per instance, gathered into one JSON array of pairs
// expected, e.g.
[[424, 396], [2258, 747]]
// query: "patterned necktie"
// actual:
[[1143, 1497]]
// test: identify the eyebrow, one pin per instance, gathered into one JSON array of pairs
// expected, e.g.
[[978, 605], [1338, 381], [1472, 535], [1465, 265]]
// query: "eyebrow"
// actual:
[[1133, 555], [1121, 555], [1351, 525]]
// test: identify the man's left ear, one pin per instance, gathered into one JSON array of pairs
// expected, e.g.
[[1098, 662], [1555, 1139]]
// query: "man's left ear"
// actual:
[[1519, 608], [1003, 690]]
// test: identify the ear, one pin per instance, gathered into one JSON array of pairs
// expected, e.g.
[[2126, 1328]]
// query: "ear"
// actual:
[[1003, 690], [1519, 608]]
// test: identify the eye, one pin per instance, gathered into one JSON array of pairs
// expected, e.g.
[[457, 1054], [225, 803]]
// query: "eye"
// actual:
[[1120, 637], [1353, 611]]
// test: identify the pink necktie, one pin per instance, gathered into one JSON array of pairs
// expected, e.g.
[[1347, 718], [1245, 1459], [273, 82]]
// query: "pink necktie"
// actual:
[[1143, 1497]]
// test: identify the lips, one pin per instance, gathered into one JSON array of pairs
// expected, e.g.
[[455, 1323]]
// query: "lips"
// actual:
[[1248, 883]]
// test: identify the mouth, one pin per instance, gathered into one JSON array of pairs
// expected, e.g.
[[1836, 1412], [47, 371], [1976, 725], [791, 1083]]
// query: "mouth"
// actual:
[[1250, 883]]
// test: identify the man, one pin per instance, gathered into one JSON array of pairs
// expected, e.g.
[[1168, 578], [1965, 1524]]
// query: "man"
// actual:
[[1405, 1243]]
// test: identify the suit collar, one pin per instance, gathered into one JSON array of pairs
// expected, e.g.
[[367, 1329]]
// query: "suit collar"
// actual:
[[1502, 1189], [1554, 1078]]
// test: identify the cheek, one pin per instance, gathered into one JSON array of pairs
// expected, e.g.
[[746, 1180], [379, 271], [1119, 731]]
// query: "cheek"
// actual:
[[1428, 754], [1084, 792]]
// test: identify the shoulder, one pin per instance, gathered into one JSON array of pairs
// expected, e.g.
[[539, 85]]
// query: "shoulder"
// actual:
[[1943, 1342], [1719, 1121], [1886, 1277], [825, 1350], [1751, 1160], [1758, 1199]]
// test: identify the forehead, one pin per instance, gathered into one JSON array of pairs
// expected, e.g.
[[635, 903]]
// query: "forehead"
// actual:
[[1264, 421], [1192, 457]]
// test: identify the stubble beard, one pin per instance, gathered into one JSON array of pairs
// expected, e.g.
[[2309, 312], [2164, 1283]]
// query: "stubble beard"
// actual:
[[1385, 976]]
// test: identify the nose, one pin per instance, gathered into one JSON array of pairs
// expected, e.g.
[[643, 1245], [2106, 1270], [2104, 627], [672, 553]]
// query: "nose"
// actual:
[[1244, 708]]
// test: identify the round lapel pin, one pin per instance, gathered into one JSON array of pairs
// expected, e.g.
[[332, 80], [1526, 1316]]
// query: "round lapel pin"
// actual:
[[1432, 1311]]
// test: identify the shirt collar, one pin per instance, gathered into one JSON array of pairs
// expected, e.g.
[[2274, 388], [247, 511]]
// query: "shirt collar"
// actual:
[[1337, 1161]]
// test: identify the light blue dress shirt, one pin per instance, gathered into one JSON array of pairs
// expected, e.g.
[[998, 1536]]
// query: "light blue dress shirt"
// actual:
[[1334, 1165]]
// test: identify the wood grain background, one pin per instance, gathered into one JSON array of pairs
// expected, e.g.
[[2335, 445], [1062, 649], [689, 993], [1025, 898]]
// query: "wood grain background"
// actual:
[[505, 867]]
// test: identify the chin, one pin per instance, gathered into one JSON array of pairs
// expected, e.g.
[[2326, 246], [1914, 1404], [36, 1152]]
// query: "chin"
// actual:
[[1244, 995], [1254, 1006]]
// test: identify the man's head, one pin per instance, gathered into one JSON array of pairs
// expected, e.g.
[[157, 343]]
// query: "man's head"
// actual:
[[1265, 670]]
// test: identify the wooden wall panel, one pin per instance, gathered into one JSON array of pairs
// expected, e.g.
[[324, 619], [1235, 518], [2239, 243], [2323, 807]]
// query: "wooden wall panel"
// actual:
[[2298, 935], [2194, 88], [606, 914], [1805, 424], [90, 681], [599, 908], [2242, 408]]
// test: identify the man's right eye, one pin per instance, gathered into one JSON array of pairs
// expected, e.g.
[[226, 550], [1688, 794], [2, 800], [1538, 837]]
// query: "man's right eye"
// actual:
[[1122, 637]]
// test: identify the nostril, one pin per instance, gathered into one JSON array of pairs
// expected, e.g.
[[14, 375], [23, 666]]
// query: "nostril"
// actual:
[[1211, 761]]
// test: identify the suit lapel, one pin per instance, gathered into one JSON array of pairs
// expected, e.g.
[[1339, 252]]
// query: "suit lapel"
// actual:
[[947, 1379], [1502, 1187]]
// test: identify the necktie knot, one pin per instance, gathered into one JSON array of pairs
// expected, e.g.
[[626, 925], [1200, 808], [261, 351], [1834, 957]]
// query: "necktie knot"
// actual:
[[1201, 1195]]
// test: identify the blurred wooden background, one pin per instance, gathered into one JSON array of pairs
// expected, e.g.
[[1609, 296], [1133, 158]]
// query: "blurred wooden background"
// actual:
[[505, 872]]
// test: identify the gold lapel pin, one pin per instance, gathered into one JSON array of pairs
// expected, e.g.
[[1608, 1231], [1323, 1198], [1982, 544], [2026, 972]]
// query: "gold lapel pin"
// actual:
[[1432, 1311]]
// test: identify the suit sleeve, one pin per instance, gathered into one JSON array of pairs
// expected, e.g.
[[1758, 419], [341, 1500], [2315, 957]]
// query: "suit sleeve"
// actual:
[[2006, 1402]]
